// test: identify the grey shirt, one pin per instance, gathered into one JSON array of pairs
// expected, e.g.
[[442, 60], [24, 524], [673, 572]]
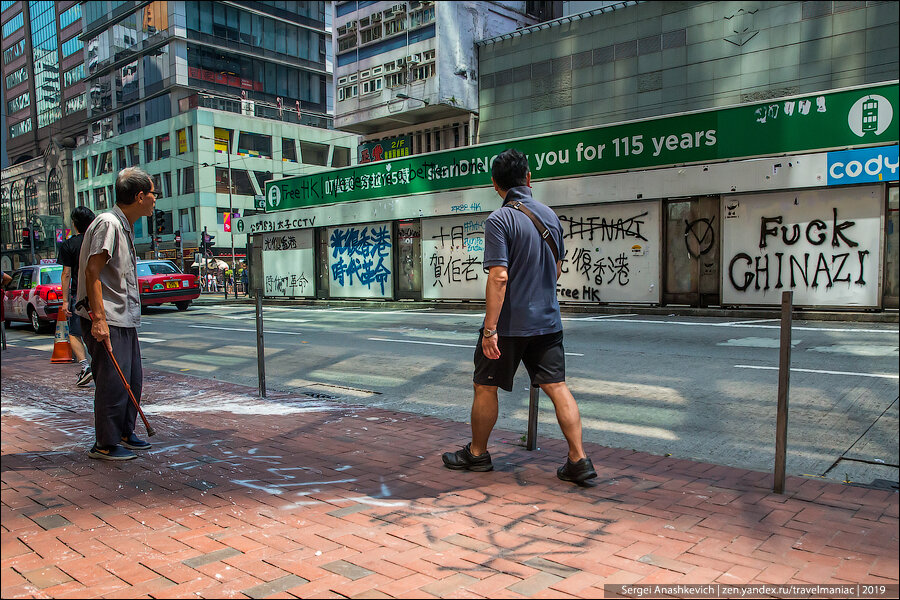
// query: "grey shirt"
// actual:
[[112, 232]]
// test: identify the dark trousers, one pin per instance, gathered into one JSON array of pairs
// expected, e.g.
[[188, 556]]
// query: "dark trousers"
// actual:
[[114, 413]]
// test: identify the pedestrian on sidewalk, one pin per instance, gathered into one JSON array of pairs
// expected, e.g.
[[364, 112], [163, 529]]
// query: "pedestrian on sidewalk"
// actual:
[[108, 282], [245, 279], [69, 256], [522, 320]]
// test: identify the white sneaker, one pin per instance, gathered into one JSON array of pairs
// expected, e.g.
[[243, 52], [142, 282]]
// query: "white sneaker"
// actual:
[[84, 377]]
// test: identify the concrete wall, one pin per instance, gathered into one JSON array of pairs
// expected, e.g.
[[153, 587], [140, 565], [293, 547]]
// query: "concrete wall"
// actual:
[[659, 58]]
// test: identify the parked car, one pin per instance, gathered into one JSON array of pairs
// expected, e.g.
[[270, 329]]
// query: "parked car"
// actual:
[[160, 281], [34, 296]]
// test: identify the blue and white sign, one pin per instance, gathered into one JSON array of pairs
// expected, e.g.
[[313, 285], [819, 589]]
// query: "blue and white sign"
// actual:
[[865, 165]]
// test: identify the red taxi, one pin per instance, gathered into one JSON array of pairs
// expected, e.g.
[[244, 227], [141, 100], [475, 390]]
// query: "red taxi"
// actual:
[[160, 281], [34, 295]]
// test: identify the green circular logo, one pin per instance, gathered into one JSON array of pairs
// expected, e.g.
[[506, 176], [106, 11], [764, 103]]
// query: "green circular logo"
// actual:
[[240, 225]]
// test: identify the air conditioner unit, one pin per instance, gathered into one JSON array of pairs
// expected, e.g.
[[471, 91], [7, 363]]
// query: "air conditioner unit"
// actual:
[[351, 25], [376, 17], [398, 8], [248, 107], [413, 59], [401, 62]]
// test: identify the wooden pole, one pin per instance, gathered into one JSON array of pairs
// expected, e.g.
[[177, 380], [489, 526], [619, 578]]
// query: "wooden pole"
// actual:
[[531, 437], [784, 384]]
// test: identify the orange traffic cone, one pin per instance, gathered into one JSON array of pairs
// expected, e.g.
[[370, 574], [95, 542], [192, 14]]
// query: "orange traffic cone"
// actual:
[[62, 351]]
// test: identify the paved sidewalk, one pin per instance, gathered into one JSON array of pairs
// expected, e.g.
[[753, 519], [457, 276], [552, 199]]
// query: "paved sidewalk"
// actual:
[[306, 497]]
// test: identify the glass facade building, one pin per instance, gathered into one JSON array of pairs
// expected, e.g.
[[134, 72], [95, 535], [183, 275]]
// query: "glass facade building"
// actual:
[[44, 113]]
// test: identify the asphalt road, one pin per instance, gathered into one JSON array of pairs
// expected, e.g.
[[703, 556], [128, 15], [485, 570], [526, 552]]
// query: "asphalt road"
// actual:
[[698, 388]]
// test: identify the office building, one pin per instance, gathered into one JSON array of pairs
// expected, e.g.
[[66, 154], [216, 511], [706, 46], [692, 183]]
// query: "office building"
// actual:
[[44, 108], [406, 74]]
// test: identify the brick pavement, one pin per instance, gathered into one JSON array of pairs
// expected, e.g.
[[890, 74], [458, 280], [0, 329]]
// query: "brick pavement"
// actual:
[[302, 497]]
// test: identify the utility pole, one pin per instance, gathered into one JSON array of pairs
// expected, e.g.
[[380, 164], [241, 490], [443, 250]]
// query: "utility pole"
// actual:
[[231, 211]]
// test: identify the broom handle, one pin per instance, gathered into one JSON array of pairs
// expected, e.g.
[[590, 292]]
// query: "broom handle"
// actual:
[[150, 431]]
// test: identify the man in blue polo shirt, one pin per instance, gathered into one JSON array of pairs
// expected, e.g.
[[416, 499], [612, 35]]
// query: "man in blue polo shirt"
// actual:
[[522, 320]]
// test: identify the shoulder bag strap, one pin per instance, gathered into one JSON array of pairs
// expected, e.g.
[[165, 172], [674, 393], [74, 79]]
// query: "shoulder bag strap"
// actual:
[[542, 230]]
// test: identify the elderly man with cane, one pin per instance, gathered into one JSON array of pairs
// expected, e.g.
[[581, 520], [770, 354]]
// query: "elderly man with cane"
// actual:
[[108, 285]]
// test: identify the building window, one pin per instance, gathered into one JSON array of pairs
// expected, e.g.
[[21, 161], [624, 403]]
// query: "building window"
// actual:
[[421, 17], [167, 184], [157, 186], [100, 199], [222, 181], [105, 165], [148, 150], [288, 150], [81, 169], [16, 77], [14, 51], [19, 128], [121, 160], [31, 198], [313, 154], [186, 220], [395, 26], [13, 25], [423, 72], [255, 144], [70, 16], [18, 103], [395, 79], [340, 157], [346, 43], [134, 155], [187, 180], [54, 194], [73, 76], [18, 207], [71, 46], [162, 146], [373, 85], [77, 103], [185, 140], [242, 184], [370, 35]]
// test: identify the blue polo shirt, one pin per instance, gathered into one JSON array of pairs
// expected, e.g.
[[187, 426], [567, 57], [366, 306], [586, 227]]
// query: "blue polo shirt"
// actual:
[[511, 240]]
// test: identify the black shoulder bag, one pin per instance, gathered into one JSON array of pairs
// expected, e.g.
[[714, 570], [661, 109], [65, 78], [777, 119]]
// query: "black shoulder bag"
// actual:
[[542, 230]]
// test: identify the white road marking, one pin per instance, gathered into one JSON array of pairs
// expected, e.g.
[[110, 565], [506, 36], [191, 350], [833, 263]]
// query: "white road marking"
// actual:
[[750, 325], [878, 375], [252, 317], [470, 346], [149, 340], [597, 317], [252, 330]]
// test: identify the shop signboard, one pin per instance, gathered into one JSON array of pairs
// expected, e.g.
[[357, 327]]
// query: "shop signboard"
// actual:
[[863, 165], [829, 120], [288, 264]]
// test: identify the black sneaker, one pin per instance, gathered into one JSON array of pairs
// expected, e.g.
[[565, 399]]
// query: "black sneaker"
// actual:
[[464, 460], [84, 377], [577, 472], [111, 453], [135, 443]]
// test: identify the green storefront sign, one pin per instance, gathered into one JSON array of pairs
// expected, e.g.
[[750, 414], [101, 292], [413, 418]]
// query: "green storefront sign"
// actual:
[[858, 117]]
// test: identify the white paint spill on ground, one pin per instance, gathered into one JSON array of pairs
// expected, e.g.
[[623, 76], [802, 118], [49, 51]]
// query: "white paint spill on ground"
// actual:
[[241, 404]]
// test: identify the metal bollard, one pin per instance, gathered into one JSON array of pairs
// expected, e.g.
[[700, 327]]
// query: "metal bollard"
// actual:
[[531, 437], [260, 346], [784, 384]]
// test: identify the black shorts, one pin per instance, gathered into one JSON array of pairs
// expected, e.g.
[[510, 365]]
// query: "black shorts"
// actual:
[[75, 325], [543, 356]]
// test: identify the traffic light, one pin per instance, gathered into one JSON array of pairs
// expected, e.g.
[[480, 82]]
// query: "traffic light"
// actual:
[[159, 217], [26, 237], [210, 241]]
